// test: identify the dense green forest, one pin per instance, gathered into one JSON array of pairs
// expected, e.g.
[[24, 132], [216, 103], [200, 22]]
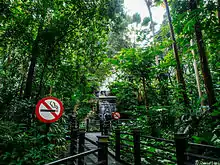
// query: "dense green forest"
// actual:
[[167, 79]]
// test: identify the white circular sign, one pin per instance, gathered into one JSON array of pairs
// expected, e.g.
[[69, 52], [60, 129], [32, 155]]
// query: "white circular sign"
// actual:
[[116, 115], [49, 109]]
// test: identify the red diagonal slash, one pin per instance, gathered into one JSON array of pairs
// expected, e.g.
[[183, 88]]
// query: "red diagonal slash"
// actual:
[[117, 115], [49, 108]]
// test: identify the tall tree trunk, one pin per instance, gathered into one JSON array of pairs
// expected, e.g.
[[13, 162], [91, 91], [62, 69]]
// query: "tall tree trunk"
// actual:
[[196, 73], [41, 81], [179, 71], [149, 3], [30, 76], [46, 60], [27, 91], [203, 59], [34, 53]]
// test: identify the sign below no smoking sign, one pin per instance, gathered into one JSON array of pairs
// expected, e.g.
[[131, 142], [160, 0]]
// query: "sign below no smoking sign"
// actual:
[[49, 109]]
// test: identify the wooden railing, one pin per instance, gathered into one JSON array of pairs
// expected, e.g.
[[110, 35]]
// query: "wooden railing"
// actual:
[[135, 148], [80, 150], [73, 158]]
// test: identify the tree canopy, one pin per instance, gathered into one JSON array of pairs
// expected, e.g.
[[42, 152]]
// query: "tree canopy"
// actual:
[[167, 79]]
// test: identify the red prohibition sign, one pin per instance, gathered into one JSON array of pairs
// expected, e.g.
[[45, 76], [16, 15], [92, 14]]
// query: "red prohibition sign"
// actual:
[[49, 109], [116, 115]]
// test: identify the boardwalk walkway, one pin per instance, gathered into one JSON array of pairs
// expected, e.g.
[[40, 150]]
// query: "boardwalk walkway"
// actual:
[[92, 159]]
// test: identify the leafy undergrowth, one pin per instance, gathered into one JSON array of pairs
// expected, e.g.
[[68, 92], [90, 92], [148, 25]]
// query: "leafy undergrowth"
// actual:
[[20, 145]]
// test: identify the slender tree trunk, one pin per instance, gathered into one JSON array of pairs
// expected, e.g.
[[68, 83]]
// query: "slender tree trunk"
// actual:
[[145, 94], [46, 60], [27, 92], [219, 11], [169, 77], [203, 60], [50, 92], [29, 81], [196, 74], [34, 53], [21, 86], [179, 71], [149, 3], [41, 80]]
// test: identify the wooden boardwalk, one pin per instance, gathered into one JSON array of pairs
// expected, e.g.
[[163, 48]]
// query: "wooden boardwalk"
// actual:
[[92, 159]]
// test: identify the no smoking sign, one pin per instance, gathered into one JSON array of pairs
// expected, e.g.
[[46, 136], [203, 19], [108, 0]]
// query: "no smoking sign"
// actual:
[[116, 115], [49, 109]]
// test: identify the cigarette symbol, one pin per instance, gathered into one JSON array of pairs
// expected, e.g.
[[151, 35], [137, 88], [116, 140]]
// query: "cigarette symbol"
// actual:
[[48, 110]]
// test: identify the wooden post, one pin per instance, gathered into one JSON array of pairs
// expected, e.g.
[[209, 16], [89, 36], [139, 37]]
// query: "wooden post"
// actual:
[[87, 125], [101, 127], [77, 124], [117, 144], [103, 152], [81, 146], [46, 141], [181, 146], [73, 135], [105, 128], [137, 152]]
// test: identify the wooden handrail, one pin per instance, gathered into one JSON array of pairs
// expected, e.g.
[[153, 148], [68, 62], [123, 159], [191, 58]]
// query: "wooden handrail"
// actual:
[[73, 157]]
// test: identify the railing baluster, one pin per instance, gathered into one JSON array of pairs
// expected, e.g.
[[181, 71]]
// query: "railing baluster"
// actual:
[[101, 127], [87, 125], [103, 151], [117, 144], [73, 135], [81, 146], [137, 149], [181, 146]]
